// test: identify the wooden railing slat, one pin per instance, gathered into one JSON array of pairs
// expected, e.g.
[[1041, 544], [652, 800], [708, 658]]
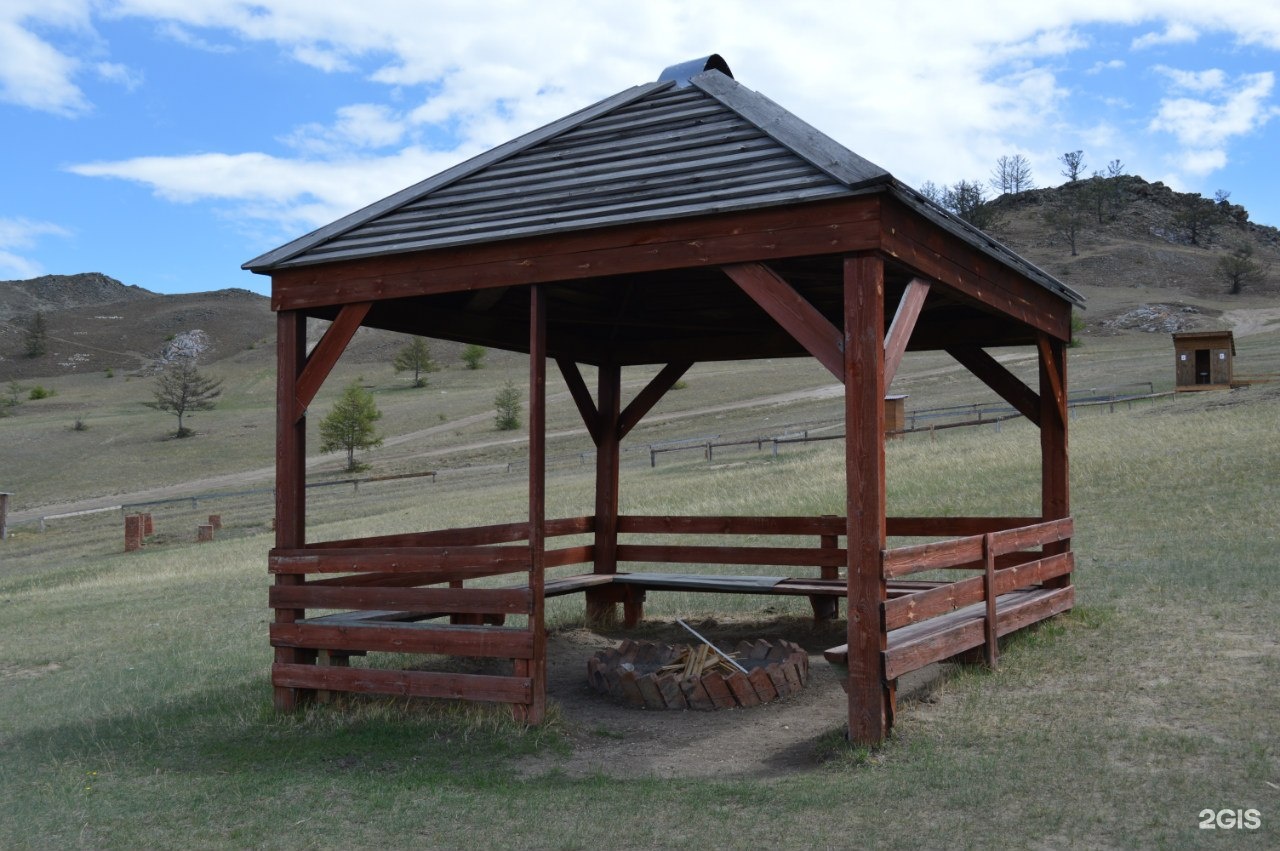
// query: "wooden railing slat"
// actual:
[[397, 637], [508, 601], [777, 556], [407, 683]]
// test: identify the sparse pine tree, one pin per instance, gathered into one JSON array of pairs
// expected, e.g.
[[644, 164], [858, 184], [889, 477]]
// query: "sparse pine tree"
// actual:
[[473, 356], [507, 408], [415, 358], [1240, 268], [1066, 219], [967, 200], [37, 336], [1072, 165], [181, 389], [349, 426]]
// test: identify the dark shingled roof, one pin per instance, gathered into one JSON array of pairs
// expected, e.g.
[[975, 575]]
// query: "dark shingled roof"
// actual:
[[658, 151]]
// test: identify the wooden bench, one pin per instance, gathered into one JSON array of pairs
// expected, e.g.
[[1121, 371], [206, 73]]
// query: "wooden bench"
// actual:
[[919, 644]]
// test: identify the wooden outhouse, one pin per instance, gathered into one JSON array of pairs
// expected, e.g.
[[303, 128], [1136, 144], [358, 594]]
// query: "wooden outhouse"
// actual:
[[1203, 359], [685, 220]]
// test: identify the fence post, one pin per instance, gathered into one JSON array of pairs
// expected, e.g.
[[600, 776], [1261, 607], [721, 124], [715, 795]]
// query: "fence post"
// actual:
[[4, 512], [133, 525], [653, 457], [709, 450], [775, 447]]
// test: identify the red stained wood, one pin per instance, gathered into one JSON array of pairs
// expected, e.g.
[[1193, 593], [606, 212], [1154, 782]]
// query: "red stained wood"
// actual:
[[674, 554], [291, 494], [989, 623], [537, 501], [462, 600], [608, 454], [462, 562], [940, 555], [904, 322], [328, 350], [653, 524], [581, 397], [928, 527], [814, 228], [1040, 534], [570, 555], [797, 316], [992, 373], [399, 637], [651, 394], [869, 695], [405, 683], [501, 533], [948, 260]]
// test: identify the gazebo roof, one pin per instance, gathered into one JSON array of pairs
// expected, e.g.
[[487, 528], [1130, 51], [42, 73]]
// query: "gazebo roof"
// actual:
[[677, 148]]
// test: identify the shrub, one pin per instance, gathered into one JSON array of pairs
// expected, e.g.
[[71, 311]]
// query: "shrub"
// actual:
[[507, 407], [40, 392]]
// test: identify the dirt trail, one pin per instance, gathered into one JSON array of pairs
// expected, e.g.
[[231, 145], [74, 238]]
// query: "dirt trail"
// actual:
[[1246, 322]]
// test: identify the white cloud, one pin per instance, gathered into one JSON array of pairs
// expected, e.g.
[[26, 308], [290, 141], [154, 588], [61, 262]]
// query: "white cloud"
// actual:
[[929, 89], [1112, 65], [1204, 126], [33, 72], [1176, 32], [18, 234], [117, 73]]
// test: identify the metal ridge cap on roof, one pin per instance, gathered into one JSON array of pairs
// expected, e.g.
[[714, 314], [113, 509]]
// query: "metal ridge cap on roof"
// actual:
[[291, 250], [787, 129], [984, 241]]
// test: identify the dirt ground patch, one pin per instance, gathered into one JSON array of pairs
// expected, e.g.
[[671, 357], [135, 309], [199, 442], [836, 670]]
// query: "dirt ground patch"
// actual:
[[608, 739]]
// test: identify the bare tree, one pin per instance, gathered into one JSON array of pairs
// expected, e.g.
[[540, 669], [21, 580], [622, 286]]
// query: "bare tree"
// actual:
[[1072, 165], [932, 191], [1115, 168], [1011, 175], [181, 389]]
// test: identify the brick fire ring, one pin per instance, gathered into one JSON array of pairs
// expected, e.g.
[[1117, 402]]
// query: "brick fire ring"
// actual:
[[630, 674]]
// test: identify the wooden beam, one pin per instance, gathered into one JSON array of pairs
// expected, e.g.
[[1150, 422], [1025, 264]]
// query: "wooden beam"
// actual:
[[1005, 383], [648, 397], [581, 397], [535, 711], [1056, 383], [1055, 476], [291, 481], [328, 350], [820, 227], [904, 322], [870, 696], [609, 393], [792, 311]]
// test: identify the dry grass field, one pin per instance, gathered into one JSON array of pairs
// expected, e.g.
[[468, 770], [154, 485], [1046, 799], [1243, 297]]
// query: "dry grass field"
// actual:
[[135, 709]]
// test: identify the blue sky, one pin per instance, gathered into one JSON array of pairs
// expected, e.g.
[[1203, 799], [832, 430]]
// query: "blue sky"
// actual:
[[165, 142]]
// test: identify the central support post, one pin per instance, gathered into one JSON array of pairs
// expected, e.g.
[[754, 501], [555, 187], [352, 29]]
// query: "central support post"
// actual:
[[870, 696], [536, 668], [601, 605]]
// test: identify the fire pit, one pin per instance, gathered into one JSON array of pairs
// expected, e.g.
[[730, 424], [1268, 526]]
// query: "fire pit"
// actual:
[[663, 676]]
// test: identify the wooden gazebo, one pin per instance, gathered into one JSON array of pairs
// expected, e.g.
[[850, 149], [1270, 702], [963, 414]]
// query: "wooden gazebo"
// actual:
[[680, 221]]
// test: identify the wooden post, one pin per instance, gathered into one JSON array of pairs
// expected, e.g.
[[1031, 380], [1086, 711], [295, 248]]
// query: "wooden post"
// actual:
[[291, 483], [601, 607], [204, 533], [870, 696], [4, 514], [536, 668], [132, 532], [1055, 484], [215, 520]]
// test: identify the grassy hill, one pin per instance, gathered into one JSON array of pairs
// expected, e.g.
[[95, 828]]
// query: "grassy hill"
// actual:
[[1141, 274]]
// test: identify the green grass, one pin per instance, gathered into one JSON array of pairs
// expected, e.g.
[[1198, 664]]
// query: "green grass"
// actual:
[[135, 707]]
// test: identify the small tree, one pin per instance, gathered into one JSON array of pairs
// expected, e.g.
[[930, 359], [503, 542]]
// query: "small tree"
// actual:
[[967, 200], [1066, 219], [473, 356], [1011, 175], [181, 389], [1197, 218], [507, 407], [37, 336], [1072, 165], [349, 426], [1239, 268], [415, 358]]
